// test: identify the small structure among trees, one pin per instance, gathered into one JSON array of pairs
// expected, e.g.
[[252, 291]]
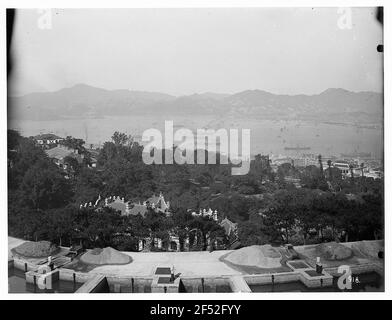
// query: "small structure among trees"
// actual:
[[47, 140]]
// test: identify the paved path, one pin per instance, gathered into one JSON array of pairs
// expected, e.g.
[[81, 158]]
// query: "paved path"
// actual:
[[194, 263], [198, 263]]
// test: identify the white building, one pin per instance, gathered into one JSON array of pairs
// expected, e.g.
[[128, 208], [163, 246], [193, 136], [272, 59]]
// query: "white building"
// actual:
[[207, 213]]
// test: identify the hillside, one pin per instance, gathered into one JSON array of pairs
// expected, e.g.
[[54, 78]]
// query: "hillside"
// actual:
[[83, 101]]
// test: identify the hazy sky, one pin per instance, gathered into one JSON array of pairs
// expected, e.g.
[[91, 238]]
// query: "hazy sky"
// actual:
[[185, 51]]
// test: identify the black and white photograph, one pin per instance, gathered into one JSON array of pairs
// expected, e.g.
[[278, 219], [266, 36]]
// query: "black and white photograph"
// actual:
[[195, 150]]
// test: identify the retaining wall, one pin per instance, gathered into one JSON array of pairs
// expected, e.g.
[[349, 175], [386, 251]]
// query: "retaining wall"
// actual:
[[24, 265], [205, 284], [284, 277]]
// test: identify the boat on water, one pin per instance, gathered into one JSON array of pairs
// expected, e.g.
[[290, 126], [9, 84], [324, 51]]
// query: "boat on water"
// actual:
[[297, 148]]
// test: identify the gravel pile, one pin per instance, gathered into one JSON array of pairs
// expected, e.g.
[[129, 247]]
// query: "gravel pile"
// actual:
[[104, 256], [256, 256], [36, 249], [333, 251], [369, 248]]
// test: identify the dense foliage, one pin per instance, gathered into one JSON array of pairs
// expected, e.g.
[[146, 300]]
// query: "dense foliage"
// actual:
[[43, 199]]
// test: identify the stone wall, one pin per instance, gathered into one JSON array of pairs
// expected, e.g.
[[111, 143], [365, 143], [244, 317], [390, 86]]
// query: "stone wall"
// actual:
[[24, 265], [129, 284], [74, 276], [194, 285]]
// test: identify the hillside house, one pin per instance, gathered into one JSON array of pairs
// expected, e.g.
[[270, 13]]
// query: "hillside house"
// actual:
[[47, 140], [59, 153]]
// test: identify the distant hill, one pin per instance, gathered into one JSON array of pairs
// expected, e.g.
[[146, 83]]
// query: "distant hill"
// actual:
[[83, 101]]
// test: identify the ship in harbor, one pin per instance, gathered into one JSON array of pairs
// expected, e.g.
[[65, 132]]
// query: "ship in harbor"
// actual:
[[296, 148]]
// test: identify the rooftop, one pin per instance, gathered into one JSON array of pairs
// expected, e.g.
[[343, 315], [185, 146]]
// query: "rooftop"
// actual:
[[136, 209], [60, 152]]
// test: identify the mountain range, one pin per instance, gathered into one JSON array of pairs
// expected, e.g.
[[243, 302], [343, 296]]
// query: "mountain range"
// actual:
[[84, 101]]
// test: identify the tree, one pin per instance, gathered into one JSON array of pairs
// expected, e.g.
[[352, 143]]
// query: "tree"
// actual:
[[72, 165], [255, 231], [34, 225], [121, 139], [74, 143], [329, 162], [207, 231], [43, 202], [236, 207], [181, 220], [158, 225], [88, 185], [107, 154], [13, 139], [60, 225], [44, 187], [320, 160], [98, 229], [282, 213], [22, 154]]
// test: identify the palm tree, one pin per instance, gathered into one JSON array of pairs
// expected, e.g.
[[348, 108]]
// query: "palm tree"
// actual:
[[362, 169], [362, 177], [321, 165], [329, 162]]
